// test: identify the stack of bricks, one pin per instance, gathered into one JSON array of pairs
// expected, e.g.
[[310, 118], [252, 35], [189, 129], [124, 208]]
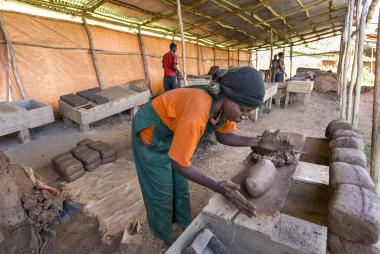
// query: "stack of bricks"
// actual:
[[68, 167], [354, 208], [86, 156]]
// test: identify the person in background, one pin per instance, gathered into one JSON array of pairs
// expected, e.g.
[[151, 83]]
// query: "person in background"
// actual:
[[169, 63], [280, 71], [273, 68]]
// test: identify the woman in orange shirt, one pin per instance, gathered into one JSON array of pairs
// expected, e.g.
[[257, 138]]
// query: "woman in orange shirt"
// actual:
[[165, 134]]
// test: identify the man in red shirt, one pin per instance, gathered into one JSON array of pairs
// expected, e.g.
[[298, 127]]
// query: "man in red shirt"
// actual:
[[169, 63]]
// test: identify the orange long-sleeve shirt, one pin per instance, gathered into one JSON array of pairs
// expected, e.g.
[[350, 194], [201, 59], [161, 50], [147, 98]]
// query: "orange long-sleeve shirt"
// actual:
[[185, 111]]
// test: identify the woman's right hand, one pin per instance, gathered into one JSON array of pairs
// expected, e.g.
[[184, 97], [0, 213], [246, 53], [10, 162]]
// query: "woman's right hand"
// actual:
[[230, 191]]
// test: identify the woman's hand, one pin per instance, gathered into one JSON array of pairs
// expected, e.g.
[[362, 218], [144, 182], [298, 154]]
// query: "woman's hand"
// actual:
[[230, 191]]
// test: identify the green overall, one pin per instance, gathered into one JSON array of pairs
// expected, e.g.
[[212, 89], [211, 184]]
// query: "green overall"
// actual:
[[165, 192]]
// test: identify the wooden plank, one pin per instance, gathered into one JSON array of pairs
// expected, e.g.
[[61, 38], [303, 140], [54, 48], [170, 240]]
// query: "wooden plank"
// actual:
[[99, 76]]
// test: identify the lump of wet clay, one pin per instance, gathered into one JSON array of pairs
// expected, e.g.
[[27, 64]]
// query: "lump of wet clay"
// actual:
[[349, 155], [84, 142], [347, 142], [354, 214], [69, 166], [276, 141], [260, 177], [335, 125], [338, 245], [344, 173], [345, 133], [279, 159]]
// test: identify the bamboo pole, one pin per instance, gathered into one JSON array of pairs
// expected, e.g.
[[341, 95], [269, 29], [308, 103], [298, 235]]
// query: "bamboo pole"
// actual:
[[345, 63], [144, 60], [291, 60], [372, 74], [352, 84], [256, 59], [271, 56], [214, 56], [375, 141], [9, 47], [228, 61], [99, 76], [354, 71], [179, 14], [339, 72], [358, 83], [198, 66]]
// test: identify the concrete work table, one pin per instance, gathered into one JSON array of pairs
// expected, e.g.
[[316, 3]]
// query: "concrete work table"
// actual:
[[270, 91], [20, 116], [290, 215], [300, 87], [121, 98]]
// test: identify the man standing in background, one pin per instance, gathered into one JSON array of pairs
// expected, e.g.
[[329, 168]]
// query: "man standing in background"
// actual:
[[169, 63]]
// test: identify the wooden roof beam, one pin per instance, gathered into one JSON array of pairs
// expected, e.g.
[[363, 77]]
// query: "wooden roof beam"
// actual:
[[173, 13], [303, 8]]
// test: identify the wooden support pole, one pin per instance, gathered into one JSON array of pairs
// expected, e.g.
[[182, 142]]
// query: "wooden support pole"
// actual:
[[179, 14], [214, 56], [250, 59], [372, 73], [228, 61], [346, 59], [271, 56], [257, 59], [354, 69], [99, 76], [238, 57], [358, 83], [8, 85], [9, 47], [375, 141], [144, 60], [339, 72], [198, 65], [291, 60]]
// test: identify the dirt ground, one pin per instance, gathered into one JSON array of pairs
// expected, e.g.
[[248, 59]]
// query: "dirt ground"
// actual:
[[217, 160]]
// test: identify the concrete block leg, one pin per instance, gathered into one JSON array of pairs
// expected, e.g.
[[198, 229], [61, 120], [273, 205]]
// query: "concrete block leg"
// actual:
[[84, 127], [254, 115], [278, 101], [306, 99], [24, 136], [287, 100], [67, 121], [268, 105]]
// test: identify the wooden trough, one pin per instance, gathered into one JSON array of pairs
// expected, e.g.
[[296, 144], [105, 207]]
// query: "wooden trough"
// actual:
[[20, 116], [121, 98]]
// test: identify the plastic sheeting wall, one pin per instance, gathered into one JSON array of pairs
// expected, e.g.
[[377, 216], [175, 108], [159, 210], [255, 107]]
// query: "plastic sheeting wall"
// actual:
[[53, 57]]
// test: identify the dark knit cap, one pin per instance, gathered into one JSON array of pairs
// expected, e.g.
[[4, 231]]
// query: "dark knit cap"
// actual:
[[243, 85]]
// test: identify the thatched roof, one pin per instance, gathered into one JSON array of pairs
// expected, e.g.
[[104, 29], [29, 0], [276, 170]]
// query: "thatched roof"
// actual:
[[236, 24]]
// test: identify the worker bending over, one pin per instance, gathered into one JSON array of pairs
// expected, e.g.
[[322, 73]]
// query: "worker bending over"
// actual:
[[165, 134]]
